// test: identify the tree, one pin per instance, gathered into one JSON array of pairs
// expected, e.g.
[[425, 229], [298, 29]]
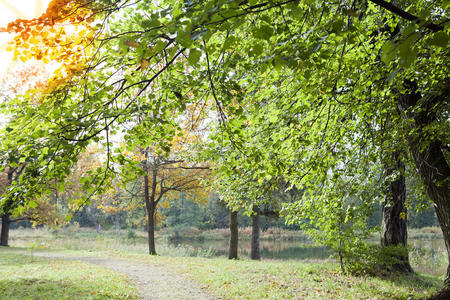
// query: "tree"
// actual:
[[166, 170], [163, 176]]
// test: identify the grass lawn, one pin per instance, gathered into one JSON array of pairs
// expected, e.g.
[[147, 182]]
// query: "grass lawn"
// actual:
[[24, 278], [275, 279], [228, 279], [244, 279]]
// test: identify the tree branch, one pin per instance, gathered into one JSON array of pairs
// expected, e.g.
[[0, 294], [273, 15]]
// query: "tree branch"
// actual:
[[405, 15]]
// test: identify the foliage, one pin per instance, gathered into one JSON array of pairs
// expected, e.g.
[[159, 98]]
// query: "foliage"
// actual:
[[184, 213]]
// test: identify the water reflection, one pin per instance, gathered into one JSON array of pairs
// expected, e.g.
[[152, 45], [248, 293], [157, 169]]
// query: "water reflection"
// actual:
[[271, 249], [427, 256]]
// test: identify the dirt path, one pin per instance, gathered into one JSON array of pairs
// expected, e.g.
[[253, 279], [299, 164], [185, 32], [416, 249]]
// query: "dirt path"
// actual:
[[151, 281]]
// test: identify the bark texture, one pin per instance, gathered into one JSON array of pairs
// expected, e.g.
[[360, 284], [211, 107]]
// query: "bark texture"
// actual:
[[150, 207], [6, 221], [429, 158], [394, 214], [233, 251], [255, 249]]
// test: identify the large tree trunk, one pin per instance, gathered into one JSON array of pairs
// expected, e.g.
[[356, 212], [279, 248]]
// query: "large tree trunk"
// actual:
[[150, 218], [255, 251], [6, 221], [5, 230], [429, 158], [233, 252], [393, 223]]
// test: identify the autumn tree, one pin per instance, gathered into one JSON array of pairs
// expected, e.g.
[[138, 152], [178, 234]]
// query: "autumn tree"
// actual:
[[167, 168]]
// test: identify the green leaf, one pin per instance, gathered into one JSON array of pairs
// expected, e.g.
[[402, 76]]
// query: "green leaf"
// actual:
[[387, 52], [439, 39], [32, 204], [44, 150], [264, 32], [194, 56], [160, 45]]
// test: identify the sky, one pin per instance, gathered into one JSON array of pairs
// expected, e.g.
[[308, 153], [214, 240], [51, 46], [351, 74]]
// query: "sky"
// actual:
[[9, 11]]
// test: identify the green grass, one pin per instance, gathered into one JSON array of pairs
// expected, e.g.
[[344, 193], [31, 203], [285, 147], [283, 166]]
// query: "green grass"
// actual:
[[24, 278], [274, 279], [244, 279], [228, 279]]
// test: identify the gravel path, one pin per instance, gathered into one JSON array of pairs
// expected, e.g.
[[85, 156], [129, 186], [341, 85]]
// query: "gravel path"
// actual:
[[151, 281]]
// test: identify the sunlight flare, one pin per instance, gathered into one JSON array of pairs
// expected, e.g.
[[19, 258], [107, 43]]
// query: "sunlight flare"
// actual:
[[10, 11]]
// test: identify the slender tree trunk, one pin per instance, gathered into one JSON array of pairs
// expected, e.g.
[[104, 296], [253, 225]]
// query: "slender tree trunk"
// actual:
[[5, 230], [430, 160], [233, 252], [255, 251], [394, 214], [151, 232], [151, 218]]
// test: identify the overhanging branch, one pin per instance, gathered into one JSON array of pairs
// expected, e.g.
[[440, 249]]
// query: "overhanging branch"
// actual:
[[405, 15]]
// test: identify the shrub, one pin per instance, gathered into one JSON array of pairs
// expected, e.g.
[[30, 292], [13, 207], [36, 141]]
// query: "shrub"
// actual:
[[376, 260]]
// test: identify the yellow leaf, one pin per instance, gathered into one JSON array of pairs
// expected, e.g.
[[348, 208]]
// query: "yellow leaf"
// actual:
[[144, 64], [132, 44]]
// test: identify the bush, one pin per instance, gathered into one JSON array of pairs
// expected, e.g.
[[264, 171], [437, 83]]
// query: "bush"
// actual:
[[376, 260]]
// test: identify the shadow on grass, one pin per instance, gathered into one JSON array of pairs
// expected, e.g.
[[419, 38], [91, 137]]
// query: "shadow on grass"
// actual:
[[413, 281], [36, 288]]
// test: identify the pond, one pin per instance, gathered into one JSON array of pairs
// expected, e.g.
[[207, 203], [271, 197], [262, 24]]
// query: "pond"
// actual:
[[270, 249], [427, 256]]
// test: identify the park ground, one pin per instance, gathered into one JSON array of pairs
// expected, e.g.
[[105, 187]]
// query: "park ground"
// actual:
[[40, 266]]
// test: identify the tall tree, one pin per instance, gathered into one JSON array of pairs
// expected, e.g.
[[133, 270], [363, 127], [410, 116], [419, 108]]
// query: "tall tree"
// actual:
[[164, 176], [167, 168]]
